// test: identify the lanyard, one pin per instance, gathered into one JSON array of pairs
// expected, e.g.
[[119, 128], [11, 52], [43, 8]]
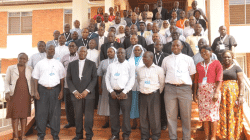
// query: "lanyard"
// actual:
[[90, 35], [66, 36], [206, 67], [157, 61], [222, 39], [84, 42]]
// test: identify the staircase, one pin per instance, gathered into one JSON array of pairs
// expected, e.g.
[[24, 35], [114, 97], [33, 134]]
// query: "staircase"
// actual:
[[104, 134]]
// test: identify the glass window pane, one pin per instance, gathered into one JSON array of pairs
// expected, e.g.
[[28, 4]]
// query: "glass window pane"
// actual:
[[236, 2], [14, 14], [26, 24], [67, 11], [26, 13], [14, 25], [237, 14]]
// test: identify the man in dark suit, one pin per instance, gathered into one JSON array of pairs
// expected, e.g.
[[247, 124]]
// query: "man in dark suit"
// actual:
[[133, 31], [84, 41], [111, 43], [176, 9], [81, 79], [134, 21], [67, 33], [92, 33], [163, 11], [186, 47], [101, 39]]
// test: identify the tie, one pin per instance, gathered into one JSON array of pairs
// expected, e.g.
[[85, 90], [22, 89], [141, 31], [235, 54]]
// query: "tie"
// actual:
[[141, 33]]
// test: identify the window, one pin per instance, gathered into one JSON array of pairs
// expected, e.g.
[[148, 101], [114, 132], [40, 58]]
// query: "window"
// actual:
[[68, 16], [20, 22], [239, 11]]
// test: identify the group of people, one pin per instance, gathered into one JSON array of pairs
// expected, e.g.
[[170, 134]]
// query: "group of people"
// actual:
[[147, 65]]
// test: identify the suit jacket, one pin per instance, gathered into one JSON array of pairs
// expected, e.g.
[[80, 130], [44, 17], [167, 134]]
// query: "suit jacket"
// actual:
[[80, 43], [141, 40], [151, 48], [104, 49], [185, 50], [12, 76], [164, 14], [137, 24], [163, 55], [88, 81], [68, 37], [97, 41]]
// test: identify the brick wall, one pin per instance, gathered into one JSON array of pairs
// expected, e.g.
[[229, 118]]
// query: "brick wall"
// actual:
[[3, 29], [226, 13], [44, 22]]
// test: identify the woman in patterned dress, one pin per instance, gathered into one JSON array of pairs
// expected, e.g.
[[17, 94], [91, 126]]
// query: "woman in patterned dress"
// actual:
[[136, 60], [232, 94], [103, 104], [208, 82]]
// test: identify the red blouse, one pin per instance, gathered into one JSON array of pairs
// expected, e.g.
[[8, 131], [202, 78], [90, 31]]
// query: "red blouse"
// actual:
[[214, 72], [98, 15], [111, 18]]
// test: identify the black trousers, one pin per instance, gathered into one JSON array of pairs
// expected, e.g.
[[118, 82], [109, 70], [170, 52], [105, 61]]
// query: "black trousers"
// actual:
[[69, 107], [84, 106], [48, 109], [125, 105], [150, 107], [164, 121]]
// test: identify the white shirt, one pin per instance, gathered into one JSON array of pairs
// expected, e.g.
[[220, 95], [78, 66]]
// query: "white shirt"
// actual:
[[149, 39], [105, 33], [154, 74], [107, 24], [188, 31], [120, 76], [178, 69], [101, 41], [181, 37], [48, 72], [35, 58], [60, 51], [93, 55], [81, 66]]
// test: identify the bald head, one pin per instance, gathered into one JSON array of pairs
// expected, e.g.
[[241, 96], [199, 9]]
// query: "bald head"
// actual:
[[148, 57], [202, 42]]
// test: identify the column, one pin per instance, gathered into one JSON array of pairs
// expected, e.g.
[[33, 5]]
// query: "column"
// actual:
[[215, 15], [80, 12], [109, 3]]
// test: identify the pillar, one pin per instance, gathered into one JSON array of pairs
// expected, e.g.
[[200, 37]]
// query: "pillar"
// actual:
[[109, 3], [80, 12], [215, 15]]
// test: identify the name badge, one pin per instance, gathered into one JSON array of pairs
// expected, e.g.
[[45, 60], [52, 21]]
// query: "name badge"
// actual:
[[222, 47], [51, 74], [204, 81], [58, 58], [117, 75], [146, 83], [178, 73], [197, 48]]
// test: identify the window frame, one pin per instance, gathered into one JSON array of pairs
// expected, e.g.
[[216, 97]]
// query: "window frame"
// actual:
[[20, 21], [245, 12]]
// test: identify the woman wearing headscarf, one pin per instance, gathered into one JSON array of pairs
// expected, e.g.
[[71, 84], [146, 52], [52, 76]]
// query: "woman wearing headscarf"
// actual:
[[120, 32], [164, 27], [136, 59], [103, 104], [18, 91], [208, 81], [232, 95]]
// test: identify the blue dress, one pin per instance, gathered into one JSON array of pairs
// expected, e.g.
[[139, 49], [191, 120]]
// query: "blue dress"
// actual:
[[134, 113]]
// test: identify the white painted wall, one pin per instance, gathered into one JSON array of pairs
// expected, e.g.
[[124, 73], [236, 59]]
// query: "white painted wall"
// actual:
[[241, 35], [17, 44]]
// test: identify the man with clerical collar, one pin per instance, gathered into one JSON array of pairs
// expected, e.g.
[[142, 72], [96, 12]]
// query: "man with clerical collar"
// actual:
[[74, 37], [111, 43], [133, 31], [66, 59], [151, 47], [194, 39], [92, 33], [77, 29], [176, 9], [186, 49], [67, 33], [61, 50], [54, 42], [155, 29], [161, 10], [84, 41], [223, 42], [134, 20]]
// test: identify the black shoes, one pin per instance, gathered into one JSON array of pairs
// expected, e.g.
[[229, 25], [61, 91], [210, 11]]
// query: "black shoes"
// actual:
[[106, 125], [114, 138], [68, 125], [77, 138], [164, 127]]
